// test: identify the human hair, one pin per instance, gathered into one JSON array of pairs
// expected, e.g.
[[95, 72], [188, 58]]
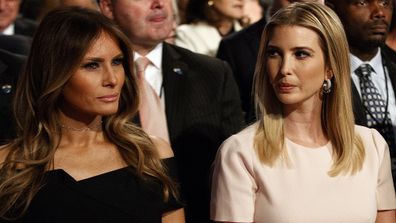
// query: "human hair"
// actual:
[[200, 10], [393, 22], [59, 45], [337, 115]]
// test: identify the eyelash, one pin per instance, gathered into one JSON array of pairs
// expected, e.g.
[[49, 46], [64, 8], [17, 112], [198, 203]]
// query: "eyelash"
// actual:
[[272, 53], [384, 3], [91, 65], [302, 54], [95, 65], [118, 61]]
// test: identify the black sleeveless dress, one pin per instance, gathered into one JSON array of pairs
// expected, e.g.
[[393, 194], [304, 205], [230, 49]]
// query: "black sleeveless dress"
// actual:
[[116, 196]]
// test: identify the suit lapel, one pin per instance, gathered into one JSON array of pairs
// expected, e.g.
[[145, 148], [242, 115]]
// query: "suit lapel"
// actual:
[[391, 66], [175, 74], [358, 108]]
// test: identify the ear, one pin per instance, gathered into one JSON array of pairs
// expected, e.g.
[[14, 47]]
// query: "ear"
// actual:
[[106, 7], [329, 73]]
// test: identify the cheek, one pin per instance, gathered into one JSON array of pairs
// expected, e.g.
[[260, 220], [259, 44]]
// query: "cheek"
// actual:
[[79, 90], [272, 70], [314, 75]]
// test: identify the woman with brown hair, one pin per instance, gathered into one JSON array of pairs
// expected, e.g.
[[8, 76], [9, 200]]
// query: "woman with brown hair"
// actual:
[[207, 22], [78, 157], [304, 160]]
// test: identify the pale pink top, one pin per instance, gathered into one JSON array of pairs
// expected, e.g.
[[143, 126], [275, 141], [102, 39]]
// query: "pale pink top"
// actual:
[[245, 190]]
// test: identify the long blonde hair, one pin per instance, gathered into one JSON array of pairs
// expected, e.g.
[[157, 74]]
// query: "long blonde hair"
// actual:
[[337, 115], [61, 41]]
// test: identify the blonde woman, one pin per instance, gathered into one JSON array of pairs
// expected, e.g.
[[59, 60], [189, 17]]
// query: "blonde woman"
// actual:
[[304, 160], [78, 158]]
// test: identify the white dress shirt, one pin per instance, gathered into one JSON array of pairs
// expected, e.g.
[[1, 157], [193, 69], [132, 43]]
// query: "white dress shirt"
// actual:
[[378, 78], [10, 30], [153, 72]]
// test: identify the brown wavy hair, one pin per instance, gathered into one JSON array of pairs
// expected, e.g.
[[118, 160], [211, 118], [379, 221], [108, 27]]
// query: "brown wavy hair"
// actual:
[[61, 41], [337, 115]]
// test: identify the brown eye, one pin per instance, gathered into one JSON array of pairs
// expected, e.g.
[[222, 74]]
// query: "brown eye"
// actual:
[[301, 54], [272, 53]]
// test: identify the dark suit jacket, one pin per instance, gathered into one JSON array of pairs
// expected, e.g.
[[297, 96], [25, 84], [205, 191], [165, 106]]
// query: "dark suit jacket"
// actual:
[[358, 108], [389, 52], [240, 50], [16, 43], [203, 109], [25, 27], [10, 65]]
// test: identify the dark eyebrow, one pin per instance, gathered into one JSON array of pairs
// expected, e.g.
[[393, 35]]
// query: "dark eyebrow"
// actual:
[[95, 59], [119, 55], [294, 49], [272, 46], [303, 48]]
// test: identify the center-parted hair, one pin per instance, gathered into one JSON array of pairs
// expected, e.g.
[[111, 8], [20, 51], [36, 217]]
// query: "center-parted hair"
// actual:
[[337, 115], [60, 44]]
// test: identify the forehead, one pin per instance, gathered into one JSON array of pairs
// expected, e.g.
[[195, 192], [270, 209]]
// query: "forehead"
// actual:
[[104, 44], [293, 35]]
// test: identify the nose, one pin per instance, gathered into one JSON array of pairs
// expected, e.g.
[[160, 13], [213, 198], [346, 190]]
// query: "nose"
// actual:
[[378, 9], [110, 77], [158, 4], [286, 65]]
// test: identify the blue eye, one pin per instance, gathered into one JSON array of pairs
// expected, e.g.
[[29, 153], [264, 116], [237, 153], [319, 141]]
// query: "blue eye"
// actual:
[[91, 65], [118, 61]]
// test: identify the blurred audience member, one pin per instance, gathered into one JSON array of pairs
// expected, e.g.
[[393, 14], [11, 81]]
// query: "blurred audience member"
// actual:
[[197, 101], [78, 157], [37, 9], [240, 51], [253, 11], [90, 4], [390, 46], [10, 66], [11, 23], [16, 43], [208, 21], [304, 160], [373, 74]]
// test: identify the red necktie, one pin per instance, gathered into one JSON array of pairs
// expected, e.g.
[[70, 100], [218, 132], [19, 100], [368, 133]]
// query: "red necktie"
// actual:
[[151, 110]]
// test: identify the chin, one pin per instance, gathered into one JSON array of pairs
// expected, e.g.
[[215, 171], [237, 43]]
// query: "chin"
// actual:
[[107, 112]]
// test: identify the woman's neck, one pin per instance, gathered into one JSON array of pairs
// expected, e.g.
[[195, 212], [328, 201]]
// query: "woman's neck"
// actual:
[[304, 127], [81, 132], [224, 26]]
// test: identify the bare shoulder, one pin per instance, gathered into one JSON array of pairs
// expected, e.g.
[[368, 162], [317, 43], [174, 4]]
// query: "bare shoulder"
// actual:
[[163, 148]]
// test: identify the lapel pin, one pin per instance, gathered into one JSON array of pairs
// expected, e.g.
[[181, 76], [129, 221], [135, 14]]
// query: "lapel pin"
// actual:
[[6, 89], [178, 71]]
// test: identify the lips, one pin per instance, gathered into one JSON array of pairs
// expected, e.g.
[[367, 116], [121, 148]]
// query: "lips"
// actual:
[[379, 29], [285, 87], [158, 17], [109, 98]]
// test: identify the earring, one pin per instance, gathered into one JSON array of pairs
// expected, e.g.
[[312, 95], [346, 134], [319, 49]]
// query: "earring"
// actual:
[[210, 3], [326, 86]]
